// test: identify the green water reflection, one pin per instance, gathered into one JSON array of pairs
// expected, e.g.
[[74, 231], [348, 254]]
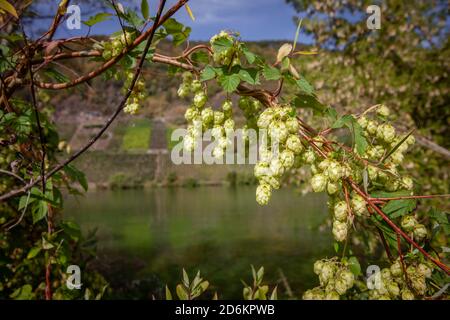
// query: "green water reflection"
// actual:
[[219, 230]]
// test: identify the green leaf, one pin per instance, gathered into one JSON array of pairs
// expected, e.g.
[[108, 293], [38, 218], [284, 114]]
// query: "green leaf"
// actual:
[[343, 121], [384, 194], [132, 18], [168, 294], [229, 82], [24, 201], [208, 73], [331, 113], [336, 247], [360, 140], [305, 86], [99, 17], [39, 211], [305, 101], [200, 57], [23, 293], [250, 56], [72, 230], [354, 266], [250, 76], [144, 9], [33, 252], [177, 30], [398, 208], [271, 73], [76, 175], [52, 73], [438, 216]]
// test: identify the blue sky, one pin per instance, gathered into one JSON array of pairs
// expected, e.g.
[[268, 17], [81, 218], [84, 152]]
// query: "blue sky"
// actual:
[[254, 19]]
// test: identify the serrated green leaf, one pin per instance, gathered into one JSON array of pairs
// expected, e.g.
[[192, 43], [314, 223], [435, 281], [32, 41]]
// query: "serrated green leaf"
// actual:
[[305, 86], [343, 121], [384, 194], [304, 101], [360, 141], [52, 73], [72, 229], [24, 201], [200, 57], [229, 82], [39, 210], [398, 208], [438, 216], [271, 73], [354, 266], [177, 30], [250, 56], [250, 76], [207, 73], [76, 175]]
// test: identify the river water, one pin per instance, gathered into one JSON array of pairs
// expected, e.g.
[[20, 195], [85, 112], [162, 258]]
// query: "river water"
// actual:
[[146, 237]]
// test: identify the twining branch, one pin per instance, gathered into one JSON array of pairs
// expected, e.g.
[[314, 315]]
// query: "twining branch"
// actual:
[[157, 22], [267, 98], [108, 64]]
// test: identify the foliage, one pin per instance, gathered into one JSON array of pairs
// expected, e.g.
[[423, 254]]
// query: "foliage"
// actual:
[[399, 65], [366, 177]]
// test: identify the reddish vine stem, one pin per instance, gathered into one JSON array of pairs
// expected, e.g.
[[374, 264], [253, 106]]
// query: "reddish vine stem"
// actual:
[[385, 245], [114, 60], [397, 229], [402, 262]]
